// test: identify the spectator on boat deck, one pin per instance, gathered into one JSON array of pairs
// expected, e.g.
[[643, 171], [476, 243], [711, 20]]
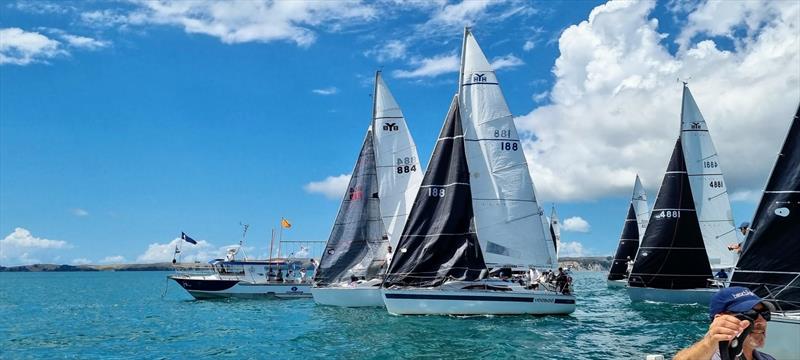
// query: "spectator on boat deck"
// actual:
[[562, 281], [280, 275], [270, 275], [314, 264], [290, 275], [721, 274], [389, 256], [353, 280], [302, 275], [723, 310]]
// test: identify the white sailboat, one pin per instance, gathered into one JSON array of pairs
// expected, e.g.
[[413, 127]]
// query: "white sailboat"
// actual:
[[769, 263], [387, 176], [476, 210], [632, 233], [681, 246]]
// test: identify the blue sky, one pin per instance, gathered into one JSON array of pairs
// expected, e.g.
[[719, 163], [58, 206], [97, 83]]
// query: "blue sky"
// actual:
[[124, 123]]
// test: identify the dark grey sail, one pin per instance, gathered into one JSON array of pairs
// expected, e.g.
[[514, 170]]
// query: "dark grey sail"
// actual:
[[770, 261], [553, 235], [439, 240], [628, 245], [358, 233], [672, 254]]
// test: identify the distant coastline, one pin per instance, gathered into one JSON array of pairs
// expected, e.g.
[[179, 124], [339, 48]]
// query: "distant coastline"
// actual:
[[592, 263]]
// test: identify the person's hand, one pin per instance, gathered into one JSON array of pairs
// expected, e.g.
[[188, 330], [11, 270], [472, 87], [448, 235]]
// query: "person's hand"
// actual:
[[725, 328]]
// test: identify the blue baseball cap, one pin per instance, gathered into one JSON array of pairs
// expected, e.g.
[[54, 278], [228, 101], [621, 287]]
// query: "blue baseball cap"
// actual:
[[734, 299]]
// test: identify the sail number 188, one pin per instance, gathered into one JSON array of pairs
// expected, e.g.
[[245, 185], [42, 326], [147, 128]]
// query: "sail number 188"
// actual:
[[436, 192]]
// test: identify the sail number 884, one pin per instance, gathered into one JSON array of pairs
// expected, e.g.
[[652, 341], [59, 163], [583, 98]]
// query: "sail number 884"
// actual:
[[406, 165]]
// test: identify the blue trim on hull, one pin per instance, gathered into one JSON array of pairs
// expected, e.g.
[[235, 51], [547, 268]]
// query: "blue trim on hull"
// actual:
[[471, 298]]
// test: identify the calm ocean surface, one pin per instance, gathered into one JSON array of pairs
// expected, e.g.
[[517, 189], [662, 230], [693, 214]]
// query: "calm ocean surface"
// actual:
[[122, 315]]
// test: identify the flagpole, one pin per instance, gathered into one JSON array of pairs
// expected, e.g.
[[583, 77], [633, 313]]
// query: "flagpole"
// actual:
[[280, 238], [271, 240]]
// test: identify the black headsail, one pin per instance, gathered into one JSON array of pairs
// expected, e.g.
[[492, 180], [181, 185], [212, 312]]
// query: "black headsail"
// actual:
[[357, 234], [770, 261], [628, 245], [672, 254], [439, 240]]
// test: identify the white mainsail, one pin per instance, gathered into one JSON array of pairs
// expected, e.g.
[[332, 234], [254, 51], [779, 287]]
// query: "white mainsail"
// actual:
[[640, 207], [399, 171], [708, 186], [508, 218]]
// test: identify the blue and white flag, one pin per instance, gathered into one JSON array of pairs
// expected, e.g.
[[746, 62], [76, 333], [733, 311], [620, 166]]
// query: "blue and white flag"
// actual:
[[186, 238]]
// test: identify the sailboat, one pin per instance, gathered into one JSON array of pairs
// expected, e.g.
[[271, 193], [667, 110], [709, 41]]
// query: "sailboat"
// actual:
[[373, 212], [476, 210], [686, 236], [555, 229], [632, 233], [769, 263]]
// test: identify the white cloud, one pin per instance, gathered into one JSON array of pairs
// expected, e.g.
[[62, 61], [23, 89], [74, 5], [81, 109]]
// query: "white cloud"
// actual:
[[391, 50], [615, 105], [117, 259], [333, 187], [529, 45], [79, 212], [20, 47], [571, 249], [81, 261], [85, 42], [431, 67], [326, 91], [576, 224], [539, 97], [20, 246], [41, 7], [253, 20], [158, 252], [750, 196], [508, 61], [464, 13]]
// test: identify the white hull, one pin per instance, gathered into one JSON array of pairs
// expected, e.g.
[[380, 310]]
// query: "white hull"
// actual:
[[617, 284], [687, 296], [204, 288], [476, 302], [348, 296], [783, 336]]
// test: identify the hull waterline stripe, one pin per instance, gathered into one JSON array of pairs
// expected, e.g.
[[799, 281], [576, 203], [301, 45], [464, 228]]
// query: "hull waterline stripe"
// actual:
[[472, 298]]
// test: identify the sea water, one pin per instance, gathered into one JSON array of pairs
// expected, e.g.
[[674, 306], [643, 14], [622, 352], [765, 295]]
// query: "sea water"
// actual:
[[141, 315]]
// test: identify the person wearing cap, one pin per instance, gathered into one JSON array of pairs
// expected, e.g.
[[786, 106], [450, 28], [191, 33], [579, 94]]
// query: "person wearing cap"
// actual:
[[737, 247], [725, 326]]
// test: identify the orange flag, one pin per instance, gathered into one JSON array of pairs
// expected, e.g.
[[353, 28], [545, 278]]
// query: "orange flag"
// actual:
[[285, 223]]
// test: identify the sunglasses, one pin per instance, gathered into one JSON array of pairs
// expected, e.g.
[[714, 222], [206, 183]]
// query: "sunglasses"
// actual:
[[753, 314]]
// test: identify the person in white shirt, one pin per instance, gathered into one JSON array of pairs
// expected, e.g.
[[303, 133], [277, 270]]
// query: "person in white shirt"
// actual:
[[389, 256]]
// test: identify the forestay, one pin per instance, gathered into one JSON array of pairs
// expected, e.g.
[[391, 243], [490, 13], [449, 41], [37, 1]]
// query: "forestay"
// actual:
[[399, 172], [509, 220], [356, 244], [769, 263], [640, 207], [708, 186], [439, 241]]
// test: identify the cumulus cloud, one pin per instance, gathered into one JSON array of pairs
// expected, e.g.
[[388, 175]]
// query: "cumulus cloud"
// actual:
[[571, 249], [81, 261], [615, 104], [326, 91], [163, 252], [85, 42], [576, 224], [431, 67], [508, 61], [20, 47], [391, 50], [79, 212], [251, 20], [333, 187], [20, 247], [117, 259]]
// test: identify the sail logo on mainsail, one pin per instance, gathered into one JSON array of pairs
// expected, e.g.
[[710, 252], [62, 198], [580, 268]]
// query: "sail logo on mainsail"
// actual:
[[696, 126], [479, 77], [355, 193], [390, 127]]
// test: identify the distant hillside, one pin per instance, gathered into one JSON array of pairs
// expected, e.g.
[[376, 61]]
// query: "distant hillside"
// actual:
[[115, 267], [592, 263]]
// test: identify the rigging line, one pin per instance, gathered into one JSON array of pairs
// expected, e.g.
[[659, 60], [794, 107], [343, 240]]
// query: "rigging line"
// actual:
[[487, 199], [493, 139], [768, 272], [444, 185], [701, 174], [718, 195], [439, 234], [726, 233]]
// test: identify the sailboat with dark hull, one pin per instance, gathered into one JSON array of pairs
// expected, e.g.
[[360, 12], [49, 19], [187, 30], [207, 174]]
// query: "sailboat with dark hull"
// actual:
[[632, 232], [769, 263], [373, 211], [476, 211]]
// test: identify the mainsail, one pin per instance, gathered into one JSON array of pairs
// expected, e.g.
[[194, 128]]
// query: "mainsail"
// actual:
[[357, 240], [769, 263], [708, 186], [439, 241], [640, 207], [508, 217], [672, 254], [399, 172]]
